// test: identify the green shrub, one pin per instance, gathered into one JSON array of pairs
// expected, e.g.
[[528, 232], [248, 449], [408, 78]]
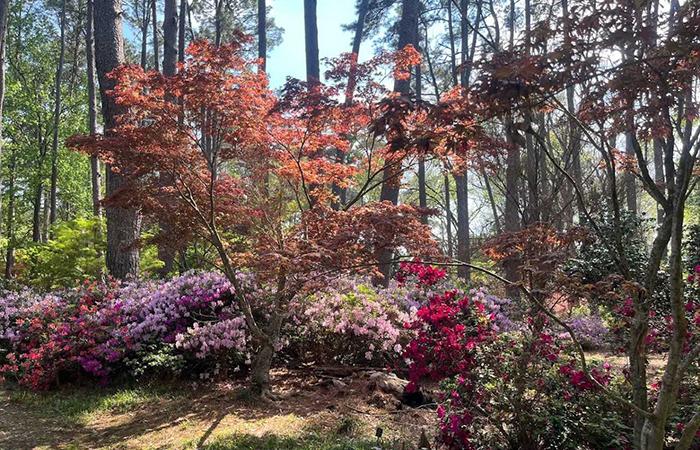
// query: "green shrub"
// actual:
[[75, 253]]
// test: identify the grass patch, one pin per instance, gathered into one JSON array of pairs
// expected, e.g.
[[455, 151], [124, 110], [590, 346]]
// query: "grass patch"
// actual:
[[310, 441], [79, 405]]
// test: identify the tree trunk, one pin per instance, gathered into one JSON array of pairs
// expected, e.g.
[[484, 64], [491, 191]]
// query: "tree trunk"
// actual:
[[170, 38], [45, 215], [391, 176], [260, 370], [262, 34], [463, 238], [36, 212], [448, 216], [422, 194], [181, 31], [145, 16], [167, 252], [461, 180], [492, 201], [95, 174], [218, 21], [630, 188], [154, 22], [512, 193], [356, 42], [123, 224], [313, 72], [4, 14], [659, 177], [10, 222], [57, 117], [574, 138]]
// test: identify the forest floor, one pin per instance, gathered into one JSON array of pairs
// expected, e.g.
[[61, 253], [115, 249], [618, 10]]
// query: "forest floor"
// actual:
[[312, 413]]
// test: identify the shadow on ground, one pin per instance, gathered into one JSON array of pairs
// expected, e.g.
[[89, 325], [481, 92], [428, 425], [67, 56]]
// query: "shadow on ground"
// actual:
[[308, 416]]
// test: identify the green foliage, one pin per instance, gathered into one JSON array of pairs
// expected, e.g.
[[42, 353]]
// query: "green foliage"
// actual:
[[74, 254], [691, 248], [156, 360], [148, 256], [594, 261]]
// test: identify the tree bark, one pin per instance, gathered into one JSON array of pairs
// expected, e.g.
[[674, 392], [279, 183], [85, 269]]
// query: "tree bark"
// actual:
[[463, 240], [448, 216], [218, 21], [262, 34], [313, 71], [461, 180], [57, 117], [4, 15], [170, 30], [181, 31], [630, 187], [260, 370], [95, 174], [123, 224], [10, 221], [156, 48], [145, 16], [167, 252], [422, 194]]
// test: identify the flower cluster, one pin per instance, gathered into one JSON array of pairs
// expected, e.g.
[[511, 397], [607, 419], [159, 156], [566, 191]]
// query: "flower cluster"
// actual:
[[424, 274], [590, 331], [95, 329], [449, 330], [354, 321], [599, 376], [522, 375]]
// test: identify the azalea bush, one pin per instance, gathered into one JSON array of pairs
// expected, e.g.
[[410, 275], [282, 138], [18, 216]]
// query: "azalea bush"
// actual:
[[522, 388], [352, 322], [102, 329], [590, 329]]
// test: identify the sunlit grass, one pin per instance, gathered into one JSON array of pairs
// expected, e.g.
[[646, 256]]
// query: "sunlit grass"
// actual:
[[78, 405], [310, 441]]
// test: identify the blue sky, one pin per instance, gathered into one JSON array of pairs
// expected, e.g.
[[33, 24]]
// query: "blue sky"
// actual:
[[287, 59]]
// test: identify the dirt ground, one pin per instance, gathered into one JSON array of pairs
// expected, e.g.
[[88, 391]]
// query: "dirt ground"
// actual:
[[314, 412]]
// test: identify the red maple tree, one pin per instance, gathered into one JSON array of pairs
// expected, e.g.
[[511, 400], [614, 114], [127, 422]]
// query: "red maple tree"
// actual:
[[215, 154]]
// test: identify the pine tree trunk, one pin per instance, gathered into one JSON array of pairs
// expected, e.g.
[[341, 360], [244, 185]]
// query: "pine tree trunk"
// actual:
[[448, 216], [170, 38], [145, 15], [156, 47], [461, 180], [463, 238], [262, 34], [313, 72], [4, 15], [123, 224], [10, 222], [167, 252], [218, 21], [95, 174], [181, 29]]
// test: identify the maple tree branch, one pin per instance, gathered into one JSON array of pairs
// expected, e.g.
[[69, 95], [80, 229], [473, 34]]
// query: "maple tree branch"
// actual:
[[689, 432]]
